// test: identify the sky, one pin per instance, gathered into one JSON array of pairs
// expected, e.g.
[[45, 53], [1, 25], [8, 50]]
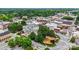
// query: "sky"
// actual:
[[39, 3]]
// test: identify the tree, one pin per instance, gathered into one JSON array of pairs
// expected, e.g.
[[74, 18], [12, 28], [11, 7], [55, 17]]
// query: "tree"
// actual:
[[39, 38], [43, 30], [23, 42], [23, 22], [19, 27], [15, 27], [72, 40], [51, 33], [11, 43], [32, 36], [26, 42], [18, 41]]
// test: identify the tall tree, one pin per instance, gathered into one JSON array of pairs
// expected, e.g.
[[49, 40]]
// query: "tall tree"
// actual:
[[15, 27], [32, 36], [11, 43]]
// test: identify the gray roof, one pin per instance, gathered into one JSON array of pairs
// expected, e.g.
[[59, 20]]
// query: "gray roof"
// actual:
[[4, 33]]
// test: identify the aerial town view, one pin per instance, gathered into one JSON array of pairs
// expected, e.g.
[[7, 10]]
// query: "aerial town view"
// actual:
[[39, 29]]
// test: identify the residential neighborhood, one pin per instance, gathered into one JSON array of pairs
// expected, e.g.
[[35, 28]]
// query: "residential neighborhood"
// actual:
[[39, 29]]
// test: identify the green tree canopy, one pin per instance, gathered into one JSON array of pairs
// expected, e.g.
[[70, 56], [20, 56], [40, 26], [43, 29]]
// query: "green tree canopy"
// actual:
[[43, 30], [12, 43], [32, 36], [39, 38], [15, 27], [23, 22], [23, 41]]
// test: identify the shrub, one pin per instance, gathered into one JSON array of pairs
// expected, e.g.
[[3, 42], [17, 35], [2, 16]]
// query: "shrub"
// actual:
[[11, 43], [29, 48]]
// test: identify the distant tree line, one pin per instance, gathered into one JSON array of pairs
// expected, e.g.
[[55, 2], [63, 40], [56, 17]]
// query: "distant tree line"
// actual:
[[7, 14]]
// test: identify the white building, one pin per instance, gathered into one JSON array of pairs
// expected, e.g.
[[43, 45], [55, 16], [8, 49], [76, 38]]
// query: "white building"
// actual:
[[76, 34], [51, 25], [30, 28]]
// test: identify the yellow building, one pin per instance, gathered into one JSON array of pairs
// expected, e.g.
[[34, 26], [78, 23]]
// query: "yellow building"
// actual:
[[49, 40]]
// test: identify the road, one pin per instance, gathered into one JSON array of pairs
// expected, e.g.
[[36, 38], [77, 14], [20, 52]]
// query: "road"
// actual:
[[4, 46], [63, 44]]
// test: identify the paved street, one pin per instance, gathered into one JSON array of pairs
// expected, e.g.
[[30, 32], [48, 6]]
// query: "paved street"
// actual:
[[63, 43], [4, 46]]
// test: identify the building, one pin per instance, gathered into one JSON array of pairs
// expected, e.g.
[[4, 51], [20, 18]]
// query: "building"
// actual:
[[5, 35], [57, 30], [16, 19], [54, 18], [43, 22], [49, 40], [75, 34], [4, 25], [77, 28], [61, 14], [51, 25], [64, 31], [77, 41], [63, 26], [30, 28]]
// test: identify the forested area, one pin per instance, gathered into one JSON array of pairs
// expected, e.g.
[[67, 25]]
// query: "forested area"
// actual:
[[8, 13]]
